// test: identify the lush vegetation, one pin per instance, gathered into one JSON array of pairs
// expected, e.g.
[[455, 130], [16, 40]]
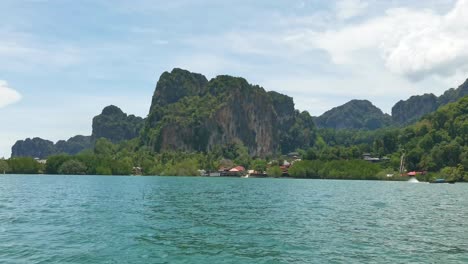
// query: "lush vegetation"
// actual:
[[336, 169], [437, 143], [23, 166]]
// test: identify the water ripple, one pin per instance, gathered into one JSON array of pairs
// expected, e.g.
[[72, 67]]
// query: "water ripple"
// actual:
[[58, 219]]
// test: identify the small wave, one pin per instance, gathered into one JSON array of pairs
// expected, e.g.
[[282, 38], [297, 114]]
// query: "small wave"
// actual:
[[413, 180]]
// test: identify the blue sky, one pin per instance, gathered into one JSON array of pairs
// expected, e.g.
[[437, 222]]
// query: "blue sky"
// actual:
[[62, 61]]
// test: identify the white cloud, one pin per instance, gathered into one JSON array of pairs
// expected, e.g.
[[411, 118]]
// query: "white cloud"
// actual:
[[8, 95], [412, 43], [25, 52], [441, 47], [346, 9]]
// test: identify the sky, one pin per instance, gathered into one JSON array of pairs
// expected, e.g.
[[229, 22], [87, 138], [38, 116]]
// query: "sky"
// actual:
[[62, 61]]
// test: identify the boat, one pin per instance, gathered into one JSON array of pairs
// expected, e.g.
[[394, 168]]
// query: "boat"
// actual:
[[442, 181]]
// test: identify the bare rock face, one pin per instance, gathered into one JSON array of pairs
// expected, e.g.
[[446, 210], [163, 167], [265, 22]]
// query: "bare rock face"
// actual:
[[409, 111], [248, 116], [453, 95], [223, 111]]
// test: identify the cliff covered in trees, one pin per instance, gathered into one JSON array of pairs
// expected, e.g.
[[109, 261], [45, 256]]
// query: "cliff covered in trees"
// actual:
[[411, 110], [189, 113], [115, 125], [112, 124], [361, 114], [41, 148], [356, 114]]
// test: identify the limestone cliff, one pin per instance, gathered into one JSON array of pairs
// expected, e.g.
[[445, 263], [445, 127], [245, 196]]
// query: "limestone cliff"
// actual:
[[355, 114], [116, 125], [223, 111], [112, 124], [411, 110], [41, 148]]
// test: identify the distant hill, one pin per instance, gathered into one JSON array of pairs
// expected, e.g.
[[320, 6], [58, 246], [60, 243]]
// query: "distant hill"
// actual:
[[411, 110], [112, 124], [41, 148], [115, 125], [362, 114], [355, 114]]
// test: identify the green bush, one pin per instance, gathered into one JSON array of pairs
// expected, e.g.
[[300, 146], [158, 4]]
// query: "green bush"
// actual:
[[72, 167]]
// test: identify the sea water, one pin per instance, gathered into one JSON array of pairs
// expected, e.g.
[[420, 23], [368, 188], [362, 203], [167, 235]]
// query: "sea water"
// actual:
[[91, 219]]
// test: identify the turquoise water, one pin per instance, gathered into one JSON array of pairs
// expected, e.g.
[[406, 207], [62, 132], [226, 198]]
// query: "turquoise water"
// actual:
[[88, 219]]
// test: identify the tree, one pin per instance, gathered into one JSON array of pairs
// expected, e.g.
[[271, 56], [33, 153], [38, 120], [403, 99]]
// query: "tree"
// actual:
[[311, 154], [72, 167], [24, 166], [103, 170], [4, 168], [122, 167], [54, 162], [274, 171], [188, 167], [242, 155], [452, 173], [259, 165], [104, 147]]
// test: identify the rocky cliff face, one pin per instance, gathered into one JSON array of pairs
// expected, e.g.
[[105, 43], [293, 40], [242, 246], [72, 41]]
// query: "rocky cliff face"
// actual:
[[178, 84], [453, 95], [356, 114], [112, 124], [223, 111], [35, 148], [41, 148], [73, 145], [411, 110], [116, 125]]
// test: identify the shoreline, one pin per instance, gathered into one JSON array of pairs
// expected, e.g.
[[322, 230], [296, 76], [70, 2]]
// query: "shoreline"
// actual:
[[217, 177]]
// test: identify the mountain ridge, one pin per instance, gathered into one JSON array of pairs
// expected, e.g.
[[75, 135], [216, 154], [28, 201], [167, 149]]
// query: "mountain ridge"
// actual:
[[191, 113], [362, 114], [355, 114]]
